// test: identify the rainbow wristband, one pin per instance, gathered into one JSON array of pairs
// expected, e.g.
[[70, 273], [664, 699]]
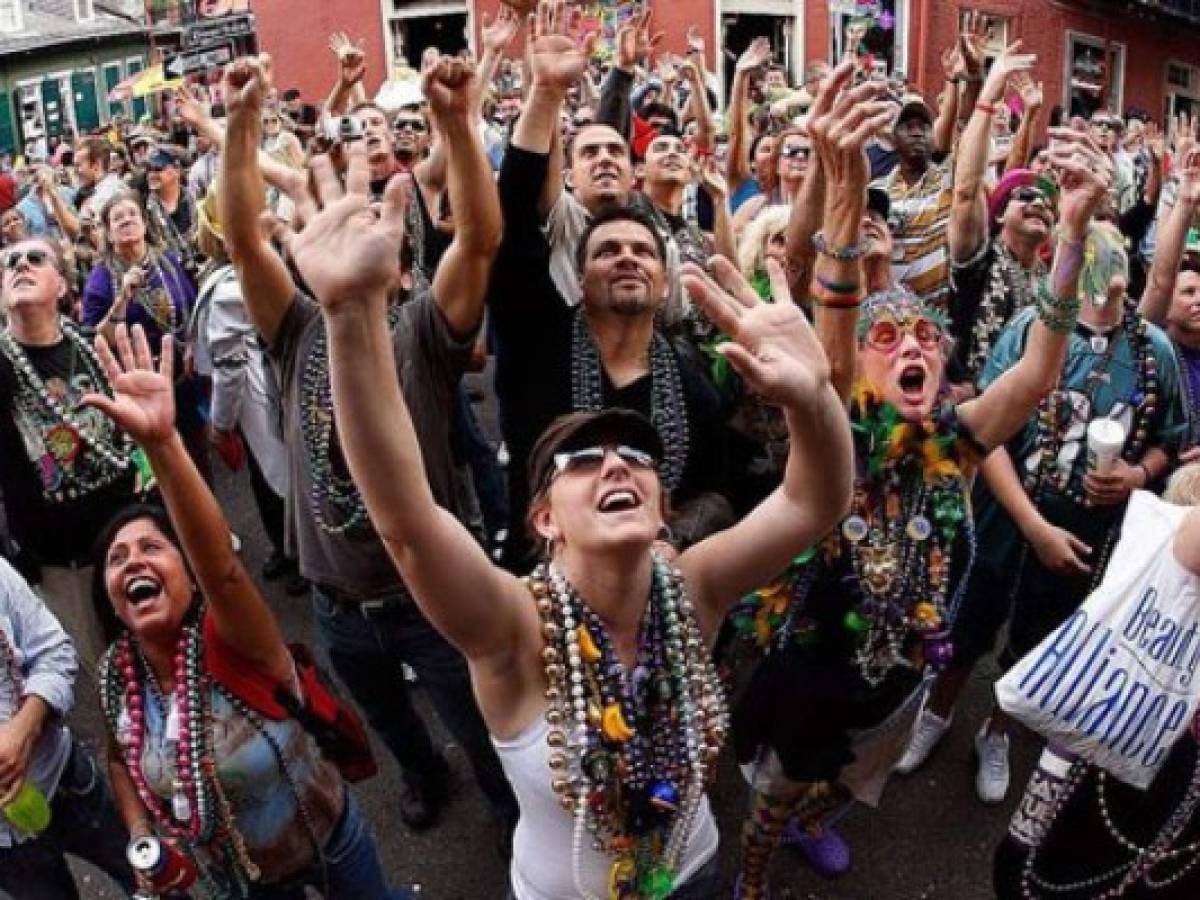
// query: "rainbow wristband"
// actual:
[[838, 287]]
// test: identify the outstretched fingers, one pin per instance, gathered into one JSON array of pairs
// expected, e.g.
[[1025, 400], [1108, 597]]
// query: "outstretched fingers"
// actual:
[[722, 310], [325, 180], [732, 282], [396, 197]]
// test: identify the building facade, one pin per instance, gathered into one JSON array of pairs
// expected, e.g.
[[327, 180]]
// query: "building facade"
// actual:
[[1121, 54], [58, 61]]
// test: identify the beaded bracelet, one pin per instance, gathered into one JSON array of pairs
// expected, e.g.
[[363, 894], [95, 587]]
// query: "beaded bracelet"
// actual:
[[1057, 313], [838, 287], [841, 254]]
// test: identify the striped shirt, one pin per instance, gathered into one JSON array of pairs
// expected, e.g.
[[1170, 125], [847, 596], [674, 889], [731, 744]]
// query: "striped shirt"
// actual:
[[920, 220]]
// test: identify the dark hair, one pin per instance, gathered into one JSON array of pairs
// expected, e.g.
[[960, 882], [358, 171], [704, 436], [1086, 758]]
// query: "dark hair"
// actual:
[[98, 150], [570, 148], [291, 94], [134, 512], [618, 212]]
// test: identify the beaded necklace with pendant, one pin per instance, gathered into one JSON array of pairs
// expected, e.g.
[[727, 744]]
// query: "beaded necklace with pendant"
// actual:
[[668, 408], [630, 751], [336, 504], [108, 450], [199, 813], [1146, 859], [158, 302]]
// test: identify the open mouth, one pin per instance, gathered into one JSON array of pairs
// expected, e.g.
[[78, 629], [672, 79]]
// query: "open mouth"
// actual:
[[142, 589], [24, 281], [619, 500], [912, 383]]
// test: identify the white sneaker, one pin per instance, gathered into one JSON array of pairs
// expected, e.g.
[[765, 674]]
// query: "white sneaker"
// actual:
[[991, 755], [926, 733]]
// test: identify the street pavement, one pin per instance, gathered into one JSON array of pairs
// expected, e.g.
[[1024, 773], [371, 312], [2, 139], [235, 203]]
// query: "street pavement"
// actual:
[[930, 839]]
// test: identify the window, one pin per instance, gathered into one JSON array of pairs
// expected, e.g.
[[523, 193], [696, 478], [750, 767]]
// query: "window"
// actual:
[[884, 28], [84, 11], [10, 15], [1095, 75]]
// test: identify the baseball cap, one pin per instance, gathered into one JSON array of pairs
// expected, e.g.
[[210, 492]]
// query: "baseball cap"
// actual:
[[588, 429], [914, 108]]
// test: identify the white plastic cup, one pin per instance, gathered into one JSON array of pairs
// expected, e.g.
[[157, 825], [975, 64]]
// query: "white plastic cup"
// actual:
[[1105, 439]]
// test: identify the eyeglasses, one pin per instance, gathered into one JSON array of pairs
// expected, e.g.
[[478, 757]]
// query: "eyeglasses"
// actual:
[[267, 122], [1030, 194], [590, 459], [410, 125], [34, 255], [887, 334], [795, 152]]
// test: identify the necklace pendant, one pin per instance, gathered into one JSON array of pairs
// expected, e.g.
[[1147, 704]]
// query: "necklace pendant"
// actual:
[[854, 528], [919, 528], [878, 569], [181, 806], [1098, 342], [62, 443]]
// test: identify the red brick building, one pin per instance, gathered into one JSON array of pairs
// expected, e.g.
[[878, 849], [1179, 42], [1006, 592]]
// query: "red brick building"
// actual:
[[1120, 53]]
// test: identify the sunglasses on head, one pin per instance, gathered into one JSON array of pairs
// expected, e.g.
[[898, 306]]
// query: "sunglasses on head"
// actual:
[[590, 459], [35, 256], [410, 125], [886, 334], [795, 152]]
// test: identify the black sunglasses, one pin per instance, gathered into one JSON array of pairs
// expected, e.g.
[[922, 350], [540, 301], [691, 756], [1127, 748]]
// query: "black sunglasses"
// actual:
[[35, 256], [410, 125], [795, 152], [590, 459], [1030, 194]]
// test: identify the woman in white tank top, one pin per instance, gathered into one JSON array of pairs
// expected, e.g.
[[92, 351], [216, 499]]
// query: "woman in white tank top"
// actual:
[[593, 675]]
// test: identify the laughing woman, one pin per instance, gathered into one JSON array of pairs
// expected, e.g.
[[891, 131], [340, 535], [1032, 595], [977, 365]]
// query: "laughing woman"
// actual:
[[868, 611], [593, 676], [242, 792]]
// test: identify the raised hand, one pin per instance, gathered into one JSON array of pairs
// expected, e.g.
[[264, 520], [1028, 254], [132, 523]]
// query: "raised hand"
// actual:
[[244, 86], [635, 42], [449, 85], [712, 177], [143, 400], [1084, 173], [347, 253], [1030, 91], [1007, 64], [695, 43], [498, 33], [972, 41], [556, 59], [352, 59], [1155, 142], [757, 55], [190, 108], [841, 122], [1189, 178], [772, 345]]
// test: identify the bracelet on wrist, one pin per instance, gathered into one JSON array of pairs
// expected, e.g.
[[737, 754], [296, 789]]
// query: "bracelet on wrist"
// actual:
[[829, 300], [849, 253], [988, 108], [1057, 313], [842, 288]]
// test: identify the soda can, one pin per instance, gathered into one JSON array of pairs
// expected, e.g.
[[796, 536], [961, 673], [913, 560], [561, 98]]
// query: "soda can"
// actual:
[[161, 863]]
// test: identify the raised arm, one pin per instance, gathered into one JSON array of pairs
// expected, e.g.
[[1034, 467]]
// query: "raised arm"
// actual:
[[352, 66], [143, 406], [264, 278], [706, 133], [778, 356], [1032, 98], [968, 214], [555, 63], [350, 259], [739, 164], [808, 211], [1172, 239], [1084, 176], [461, 280], [840, 124], [712, 182]]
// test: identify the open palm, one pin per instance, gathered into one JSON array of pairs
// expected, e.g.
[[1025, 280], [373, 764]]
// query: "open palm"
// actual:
[[773, 347], [143, 400]]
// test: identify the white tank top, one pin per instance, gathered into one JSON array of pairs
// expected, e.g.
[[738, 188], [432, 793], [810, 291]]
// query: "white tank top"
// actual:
[[542, 864]]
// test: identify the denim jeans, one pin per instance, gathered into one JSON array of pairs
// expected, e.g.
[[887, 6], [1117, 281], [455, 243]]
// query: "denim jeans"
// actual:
[[84, 823], [366, 652], [351, 870]]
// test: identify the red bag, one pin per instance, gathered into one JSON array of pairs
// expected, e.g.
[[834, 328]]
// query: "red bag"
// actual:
[[334, 725]]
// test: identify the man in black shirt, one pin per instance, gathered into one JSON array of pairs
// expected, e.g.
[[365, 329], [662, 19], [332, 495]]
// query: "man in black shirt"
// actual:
[[64, 469]]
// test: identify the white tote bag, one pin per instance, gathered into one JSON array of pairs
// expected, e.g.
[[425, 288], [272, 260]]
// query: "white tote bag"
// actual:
[[1117, 682]]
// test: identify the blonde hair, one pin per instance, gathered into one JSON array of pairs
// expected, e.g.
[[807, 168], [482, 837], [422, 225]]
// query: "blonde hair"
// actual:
[[752, 248], [1183, 488]]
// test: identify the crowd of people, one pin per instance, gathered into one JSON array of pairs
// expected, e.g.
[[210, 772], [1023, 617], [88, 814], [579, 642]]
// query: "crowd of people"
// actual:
[[797, 389]]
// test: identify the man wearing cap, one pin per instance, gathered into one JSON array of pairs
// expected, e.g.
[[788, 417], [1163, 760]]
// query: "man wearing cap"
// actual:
[[996, 243], [920, 191], [170, 207]]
